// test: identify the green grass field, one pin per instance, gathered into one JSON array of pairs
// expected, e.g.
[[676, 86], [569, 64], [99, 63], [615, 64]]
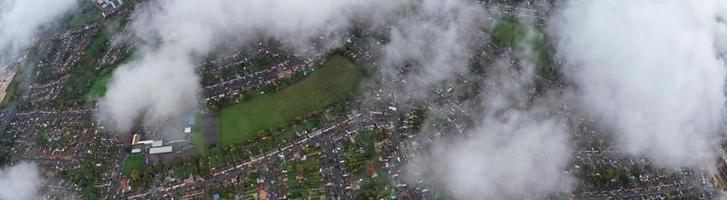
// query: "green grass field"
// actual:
[[13, 88], [335, 80], [133, 162], [512, 33], [509, 32], [98, 88], [86, 14], [88, 83], [197, 139]]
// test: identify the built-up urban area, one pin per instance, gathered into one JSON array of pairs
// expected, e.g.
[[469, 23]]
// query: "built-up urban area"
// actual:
[[279, 124]]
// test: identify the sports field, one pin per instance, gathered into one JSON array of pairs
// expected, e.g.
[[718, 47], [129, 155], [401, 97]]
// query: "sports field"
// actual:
[[335, 80], [133, 162]]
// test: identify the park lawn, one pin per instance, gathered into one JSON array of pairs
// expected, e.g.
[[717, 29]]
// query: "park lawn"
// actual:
[[89, 84], [335, 80], [86, 14], [133, 162], [84, 74], [13, 88], [98, 88], [511, 32], [100, 83], [197, 139]]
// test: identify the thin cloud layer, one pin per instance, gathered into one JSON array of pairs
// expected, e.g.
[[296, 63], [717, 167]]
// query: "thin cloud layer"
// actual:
[[518, 154], [21, 20], [434, 38], [649, 71], [513, 156], [21, 181], [519, 149]]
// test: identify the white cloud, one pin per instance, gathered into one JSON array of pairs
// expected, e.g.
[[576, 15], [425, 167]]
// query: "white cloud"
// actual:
[[514, 156], [21, 181], [649, 71], [21, 20], [519, 149], [163, 86], [434, 34], [435, 38]]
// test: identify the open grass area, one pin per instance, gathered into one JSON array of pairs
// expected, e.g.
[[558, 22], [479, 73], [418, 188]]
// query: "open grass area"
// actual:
[[13, 88], [197, 139], [335, 80], [133, 163], [101, 81], [510, 32], [86, 14], [98, 88], [88, 83], [84, 73]]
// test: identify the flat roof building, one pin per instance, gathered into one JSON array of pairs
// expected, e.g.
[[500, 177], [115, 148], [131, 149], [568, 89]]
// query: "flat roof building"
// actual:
[[135, 139], [159, 150], [153, 143], [157, 143], [149, 142]]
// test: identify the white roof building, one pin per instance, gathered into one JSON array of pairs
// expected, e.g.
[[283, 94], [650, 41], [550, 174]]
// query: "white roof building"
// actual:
[[153, 143], [146, 142], [135, 139], [159, 150]]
